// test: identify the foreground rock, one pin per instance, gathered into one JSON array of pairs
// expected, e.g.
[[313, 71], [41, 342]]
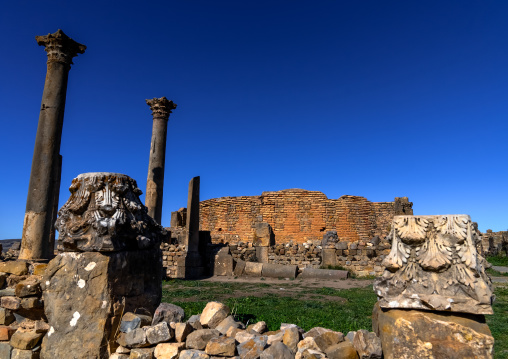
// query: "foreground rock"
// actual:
[[431, 334]]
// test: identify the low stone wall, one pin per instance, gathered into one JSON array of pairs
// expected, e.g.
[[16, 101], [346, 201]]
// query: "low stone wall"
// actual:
[[362, 258], [173, 256], [22, 320], [304, 255], [495, 243]]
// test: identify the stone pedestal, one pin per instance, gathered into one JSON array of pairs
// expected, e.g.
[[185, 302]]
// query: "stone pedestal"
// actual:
[[263, 238], [110, 263], [434, 265], [86, 294], [43, 189], [434, 292]]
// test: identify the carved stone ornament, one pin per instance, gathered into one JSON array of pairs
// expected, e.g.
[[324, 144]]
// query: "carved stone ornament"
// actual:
[[161, 107], [104, 214], [435, 264], [60, 47]]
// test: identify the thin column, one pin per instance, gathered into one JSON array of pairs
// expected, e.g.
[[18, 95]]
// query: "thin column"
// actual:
[[161, 108], [42, 190]]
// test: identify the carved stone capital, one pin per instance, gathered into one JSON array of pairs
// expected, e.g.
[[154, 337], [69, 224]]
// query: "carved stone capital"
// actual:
[[435, 264], [60, 47], [104, 214], [161, 107]]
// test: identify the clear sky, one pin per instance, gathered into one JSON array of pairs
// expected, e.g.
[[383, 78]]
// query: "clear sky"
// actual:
[[370, 98]]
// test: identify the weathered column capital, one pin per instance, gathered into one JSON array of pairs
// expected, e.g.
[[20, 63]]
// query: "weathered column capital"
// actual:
[[60, 47], [161, 107]]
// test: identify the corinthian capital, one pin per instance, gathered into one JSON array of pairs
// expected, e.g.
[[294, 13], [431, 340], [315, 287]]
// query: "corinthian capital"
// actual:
[[60, 47], [161, 107]]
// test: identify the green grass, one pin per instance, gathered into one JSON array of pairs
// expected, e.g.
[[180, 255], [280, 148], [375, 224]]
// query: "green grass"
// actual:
[[498, 322], [495, 273], [498, 261]]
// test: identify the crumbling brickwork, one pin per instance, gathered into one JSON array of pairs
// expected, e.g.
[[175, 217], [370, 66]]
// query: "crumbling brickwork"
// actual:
[[295, 215]]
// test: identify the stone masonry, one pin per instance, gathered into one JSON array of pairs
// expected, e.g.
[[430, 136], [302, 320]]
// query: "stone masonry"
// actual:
[[298, 215]]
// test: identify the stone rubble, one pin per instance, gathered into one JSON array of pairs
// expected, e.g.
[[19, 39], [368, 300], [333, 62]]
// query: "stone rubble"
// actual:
[[236, 341]]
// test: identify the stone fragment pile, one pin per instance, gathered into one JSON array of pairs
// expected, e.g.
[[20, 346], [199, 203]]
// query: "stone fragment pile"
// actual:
[[22, 319], [216, 334]]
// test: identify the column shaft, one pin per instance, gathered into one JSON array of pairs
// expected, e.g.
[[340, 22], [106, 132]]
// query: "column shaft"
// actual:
[[155, 181], [38, 228]]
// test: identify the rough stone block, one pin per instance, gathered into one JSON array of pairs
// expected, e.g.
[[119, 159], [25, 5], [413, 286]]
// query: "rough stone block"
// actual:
[[134, 339], [167, 312], [252, 348], [82, 291], [39, 268], [239, 268], [29, 287], [25, 340], [182, 330], [428, 334], [367, 345], [213, 314], [5, 350], [343, 350], [277, 350], [14, 267], [24, 354], [6, 332], [199, 338], [227, 323], [263, 235], [291, 338], [168, 350], [6, 316], [253, 269], [141, 353], [222, 346], [131, 321], [193, 354], [223, 265], [158, 333], [11, 303]]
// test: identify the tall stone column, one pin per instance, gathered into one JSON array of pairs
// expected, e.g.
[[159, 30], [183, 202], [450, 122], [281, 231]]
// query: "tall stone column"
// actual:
[[194, 266], [38, 233], [161, 108]]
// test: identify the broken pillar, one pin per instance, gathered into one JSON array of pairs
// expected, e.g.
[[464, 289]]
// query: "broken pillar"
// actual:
[[161, 109], [328, 252], [402, 206], [109, 263], [434, 290], [43, 189], [194, 263], [263, 239]]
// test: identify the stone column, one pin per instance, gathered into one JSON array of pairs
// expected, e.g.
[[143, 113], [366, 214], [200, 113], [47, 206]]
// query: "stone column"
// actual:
[[193, 261], [42, 190], [161, 108]]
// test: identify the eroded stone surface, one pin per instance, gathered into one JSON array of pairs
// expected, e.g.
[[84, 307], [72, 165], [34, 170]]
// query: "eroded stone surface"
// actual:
[[104, 213], [431, 334], [434, 265], [213, 314]]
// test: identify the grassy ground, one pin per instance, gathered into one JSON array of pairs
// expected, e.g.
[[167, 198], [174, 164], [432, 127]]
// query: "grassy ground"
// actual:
[[498, 323], [294, 302], [498, 261]]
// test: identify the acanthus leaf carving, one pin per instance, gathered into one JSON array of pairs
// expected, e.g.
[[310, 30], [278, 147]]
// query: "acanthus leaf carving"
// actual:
[[411, 229]]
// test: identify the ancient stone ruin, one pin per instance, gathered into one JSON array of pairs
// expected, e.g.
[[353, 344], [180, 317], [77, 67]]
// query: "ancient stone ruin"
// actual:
[[109, 263], [99, 295], [434, 291]]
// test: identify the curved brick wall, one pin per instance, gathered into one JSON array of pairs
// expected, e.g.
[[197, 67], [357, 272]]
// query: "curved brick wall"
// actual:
[[296, 215]]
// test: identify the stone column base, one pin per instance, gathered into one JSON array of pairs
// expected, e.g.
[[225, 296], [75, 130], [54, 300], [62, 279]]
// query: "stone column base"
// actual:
[[86, 293]]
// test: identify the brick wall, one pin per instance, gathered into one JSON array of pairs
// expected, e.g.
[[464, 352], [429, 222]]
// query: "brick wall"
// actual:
[[295, 215]]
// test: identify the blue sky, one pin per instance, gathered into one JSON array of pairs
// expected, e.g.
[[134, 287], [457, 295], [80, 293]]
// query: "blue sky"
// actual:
[[370, 98]]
